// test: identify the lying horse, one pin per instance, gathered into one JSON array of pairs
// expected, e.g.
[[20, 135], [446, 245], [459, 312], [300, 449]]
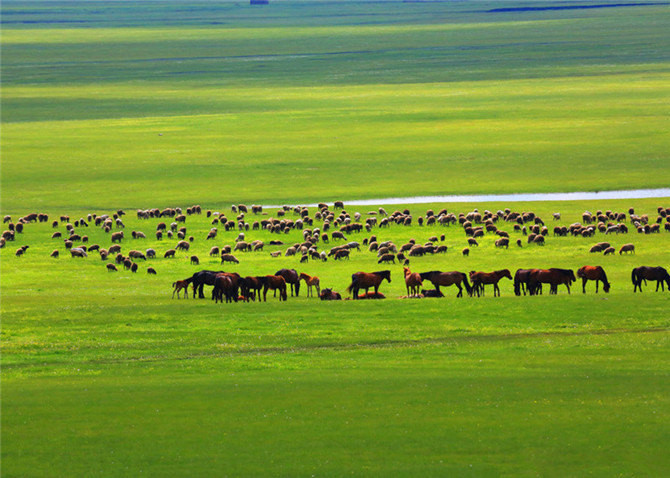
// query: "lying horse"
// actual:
[[439, 278], [644, 273], [366, 280], [328, 294], [480, 279], [595, 273]]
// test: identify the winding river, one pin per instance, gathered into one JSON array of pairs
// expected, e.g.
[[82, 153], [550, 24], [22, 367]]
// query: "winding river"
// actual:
[[520, 197]]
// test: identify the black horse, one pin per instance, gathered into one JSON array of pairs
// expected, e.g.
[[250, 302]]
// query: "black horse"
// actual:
[[202, 278], [645, 273], [292, 278]]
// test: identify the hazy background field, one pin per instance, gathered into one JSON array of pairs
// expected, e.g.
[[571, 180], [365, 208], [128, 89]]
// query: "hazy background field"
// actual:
[[295, 102], [109, 105]]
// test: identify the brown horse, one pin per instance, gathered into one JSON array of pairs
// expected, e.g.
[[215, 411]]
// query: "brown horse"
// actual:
[[178, 286], [226, 284], [439, 278], [251, 288], [329, 294], [413, 281], [275, 283], [645, 273], [291, 277], [521, 281], [595, 273], [480, 279], [311, 281], [366, 280], [553, 277]]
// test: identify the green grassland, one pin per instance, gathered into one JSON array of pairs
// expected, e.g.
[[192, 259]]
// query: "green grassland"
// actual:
[[135, 381], [109, 105]]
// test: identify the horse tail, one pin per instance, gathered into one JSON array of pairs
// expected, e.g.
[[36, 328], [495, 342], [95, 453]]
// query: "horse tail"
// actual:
[[633, 276], [468, 289]]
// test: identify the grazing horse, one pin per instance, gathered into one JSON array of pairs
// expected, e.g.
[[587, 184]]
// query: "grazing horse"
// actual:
[[595, 273], [250, 288], [645, 273], [328, 294], [291, 277], [311, 281], [225, 285], [365, 280], [202, 278], [413, 281], [275, 283], [479, 279], [178, 286], [553, 277], [446, 279]]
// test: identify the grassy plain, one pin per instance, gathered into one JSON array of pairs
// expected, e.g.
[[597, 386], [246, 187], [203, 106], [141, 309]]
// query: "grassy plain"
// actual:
[[136, 105]]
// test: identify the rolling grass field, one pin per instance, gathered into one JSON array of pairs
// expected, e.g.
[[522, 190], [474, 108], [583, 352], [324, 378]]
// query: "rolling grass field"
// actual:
[[157, 104]]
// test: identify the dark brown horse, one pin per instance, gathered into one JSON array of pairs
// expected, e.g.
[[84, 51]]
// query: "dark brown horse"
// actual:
[[291, 277], [521, 281], [250, 287], [275, 283], [595, 273], [439, 278], [329, 294], [366, 280], [553, 277], [480, 279], [645, 273], [226, 285]]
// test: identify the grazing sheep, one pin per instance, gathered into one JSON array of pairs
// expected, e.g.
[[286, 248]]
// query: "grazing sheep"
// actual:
[[385, 258], [229, 258], [275, 254], [111, 268], [151, 270], [214, 251], [114, 249], [151, 253], [134, 268], [195, 261], [466, 252], [183, 246], [342, 254], [608, 251], [55, 253], [472, 241], [169, 253], [627, 248], [78, 252]]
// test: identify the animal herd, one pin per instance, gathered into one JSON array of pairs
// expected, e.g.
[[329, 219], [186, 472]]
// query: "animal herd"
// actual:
[[331, 238], [232, 287]]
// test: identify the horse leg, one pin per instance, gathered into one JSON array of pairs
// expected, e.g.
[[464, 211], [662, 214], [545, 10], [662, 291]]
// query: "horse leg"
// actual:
[[597, 285], [496, 290], [584, 279], [460, 290]]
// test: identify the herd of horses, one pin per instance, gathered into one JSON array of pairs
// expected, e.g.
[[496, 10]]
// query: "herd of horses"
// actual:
[[232, 287]]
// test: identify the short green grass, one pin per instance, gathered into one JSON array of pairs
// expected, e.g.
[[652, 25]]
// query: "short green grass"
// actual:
[[136, 105], [137, 382]]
